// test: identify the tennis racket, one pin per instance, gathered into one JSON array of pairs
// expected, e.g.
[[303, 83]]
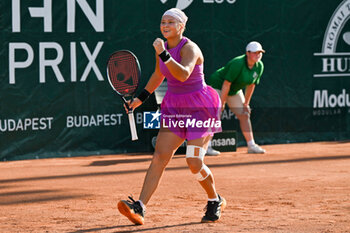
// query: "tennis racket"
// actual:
[[123, 72]]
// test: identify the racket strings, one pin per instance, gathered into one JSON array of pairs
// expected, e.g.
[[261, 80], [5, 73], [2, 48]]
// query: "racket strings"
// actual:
[[124, 73]]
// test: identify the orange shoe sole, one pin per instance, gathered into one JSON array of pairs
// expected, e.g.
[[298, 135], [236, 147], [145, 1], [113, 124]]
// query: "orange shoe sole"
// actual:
[[127, 212], [223, 205]]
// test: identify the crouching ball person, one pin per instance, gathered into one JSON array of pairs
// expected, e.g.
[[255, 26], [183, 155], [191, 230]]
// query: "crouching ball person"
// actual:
[[241, 72], [188, 97]]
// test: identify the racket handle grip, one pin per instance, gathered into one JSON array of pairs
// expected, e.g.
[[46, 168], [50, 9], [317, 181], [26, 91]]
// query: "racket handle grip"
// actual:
[[132, 126]]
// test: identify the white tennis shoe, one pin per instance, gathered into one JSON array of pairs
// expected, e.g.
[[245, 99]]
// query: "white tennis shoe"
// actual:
[[212, 152], [255, 149]]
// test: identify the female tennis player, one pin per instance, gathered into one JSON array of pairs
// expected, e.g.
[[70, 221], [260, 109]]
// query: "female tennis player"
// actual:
[[187, 101]]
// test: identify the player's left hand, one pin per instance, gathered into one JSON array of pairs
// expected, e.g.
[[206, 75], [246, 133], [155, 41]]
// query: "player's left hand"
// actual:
[[246, 109]]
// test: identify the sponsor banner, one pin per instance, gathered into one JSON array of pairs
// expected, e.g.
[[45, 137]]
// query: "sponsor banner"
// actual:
[[331, 75], [55, 99], [224, 142], [327, 107], [334, 59], [324, 99]]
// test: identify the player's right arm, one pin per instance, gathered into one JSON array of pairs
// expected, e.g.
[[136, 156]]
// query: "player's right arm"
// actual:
[[190, 56], [153, 83], [156, 78]]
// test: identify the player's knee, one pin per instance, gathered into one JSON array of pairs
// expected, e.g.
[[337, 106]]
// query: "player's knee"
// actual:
[[196, 152], [194, 164], [194, 158], [160, 159]]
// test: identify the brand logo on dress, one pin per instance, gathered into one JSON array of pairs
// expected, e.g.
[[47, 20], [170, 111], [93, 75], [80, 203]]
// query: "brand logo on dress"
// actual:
[[183, 4], [330, 62]]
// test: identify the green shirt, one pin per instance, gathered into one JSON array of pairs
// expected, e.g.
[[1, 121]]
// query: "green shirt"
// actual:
[[237, 72]]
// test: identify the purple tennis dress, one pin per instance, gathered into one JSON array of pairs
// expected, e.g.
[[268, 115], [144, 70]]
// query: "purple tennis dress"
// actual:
[[190, 109]]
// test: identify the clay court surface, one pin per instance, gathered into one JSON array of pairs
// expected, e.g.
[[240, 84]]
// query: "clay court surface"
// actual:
[[292, 188]]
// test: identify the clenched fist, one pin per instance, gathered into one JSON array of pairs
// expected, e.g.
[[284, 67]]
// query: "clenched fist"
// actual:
[[158, 45]]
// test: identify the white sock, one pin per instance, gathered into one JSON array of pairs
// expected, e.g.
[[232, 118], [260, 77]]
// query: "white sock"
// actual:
[[214, 199], [251, 142], [142, 205]]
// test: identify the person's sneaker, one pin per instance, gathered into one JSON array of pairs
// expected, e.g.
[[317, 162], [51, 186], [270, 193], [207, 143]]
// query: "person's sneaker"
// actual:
[[255, 149], [132, 210], [214, 209], [212, 152]]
